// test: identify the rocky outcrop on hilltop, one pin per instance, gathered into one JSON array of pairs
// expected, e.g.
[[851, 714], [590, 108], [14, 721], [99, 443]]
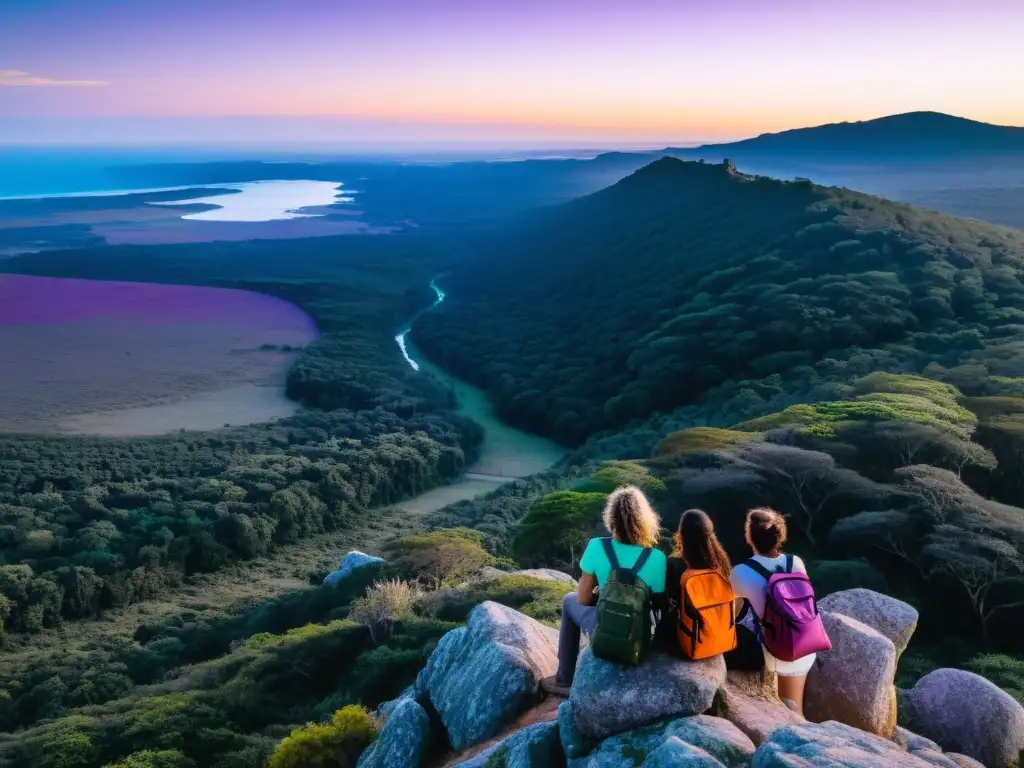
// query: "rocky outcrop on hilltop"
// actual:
[[482, 676], [608, 698], [480, 687]]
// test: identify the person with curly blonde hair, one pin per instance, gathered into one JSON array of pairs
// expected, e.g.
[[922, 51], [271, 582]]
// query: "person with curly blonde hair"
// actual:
[[634, 527]]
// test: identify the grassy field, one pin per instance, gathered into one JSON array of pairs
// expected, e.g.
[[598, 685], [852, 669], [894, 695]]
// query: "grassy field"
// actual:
[[121, 359]]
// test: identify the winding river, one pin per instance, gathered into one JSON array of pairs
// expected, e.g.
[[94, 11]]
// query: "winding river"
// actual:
[[507, 453], [400, 338]]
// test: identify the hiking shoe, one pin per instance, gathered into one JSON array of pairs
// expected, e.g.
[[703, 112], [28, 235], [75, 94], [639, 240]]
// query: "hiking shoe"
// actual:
[[553, 687]]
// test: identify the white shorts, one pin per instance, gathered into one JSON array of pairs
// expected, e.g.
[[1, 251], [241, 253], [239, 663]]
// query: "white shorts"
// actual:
[[798, 668]]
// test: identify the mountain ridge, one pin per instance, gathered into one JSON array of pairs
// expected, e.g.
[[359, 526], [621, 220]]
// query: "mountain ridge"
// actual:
[[911, 133]]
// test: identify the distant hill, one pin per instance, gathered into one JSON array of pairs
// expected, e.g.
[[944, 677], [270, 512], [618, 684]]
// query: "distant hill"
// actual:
[[910, 135], [687, 276]]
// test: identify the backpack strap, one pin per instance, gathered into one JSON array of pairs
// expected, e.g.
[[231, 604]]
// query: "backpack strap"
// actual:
[[789, 563], [757, 568], [609, 552], [641, 561]]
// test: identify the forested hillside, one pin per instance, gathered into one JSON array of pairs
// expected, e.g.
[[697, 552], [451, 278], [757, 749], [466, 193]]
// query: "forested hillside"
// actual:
[[685, 277]]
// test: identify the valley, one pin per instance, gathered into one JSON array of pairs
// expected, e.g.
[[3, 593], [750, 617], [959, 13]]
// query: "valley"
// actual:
[[468, 398]]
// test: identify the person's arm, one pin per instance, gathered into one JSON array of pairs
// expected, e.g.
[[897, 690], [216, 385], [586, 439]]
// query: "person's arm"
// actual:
[[738, 590], [585, 591]]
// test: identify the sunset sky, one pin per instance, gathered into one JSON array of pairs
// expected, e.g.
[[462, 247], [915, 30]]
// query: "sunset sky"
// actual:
[[516, 71]]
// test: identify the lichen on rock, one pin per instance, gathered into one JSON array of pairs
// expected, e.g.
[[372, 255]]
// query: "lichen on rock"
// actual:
[[965, 713], [832, 744], [886, 615], [716, 738], [535, 746], [404, 739], [609, 698], [853, 682], [481, 676]]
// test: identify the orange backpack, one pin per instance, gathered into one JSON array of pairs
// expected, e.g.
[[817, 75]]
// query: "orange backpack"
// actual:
[[706, 624]]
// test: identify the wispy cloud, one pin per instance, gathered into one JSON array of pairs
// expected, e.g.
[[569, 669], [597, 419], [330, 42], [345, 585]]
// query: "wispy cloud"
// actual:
[[16, 78]]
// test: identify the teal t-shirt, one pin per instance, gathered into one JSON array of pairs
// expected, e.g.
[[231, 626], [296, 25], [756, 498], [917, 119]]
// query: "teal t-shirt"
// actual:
[[595, 561]]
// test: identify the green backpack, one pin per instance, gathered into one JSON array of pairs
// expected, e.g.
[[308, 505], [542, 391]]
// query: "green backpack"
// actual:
[[623, 612]]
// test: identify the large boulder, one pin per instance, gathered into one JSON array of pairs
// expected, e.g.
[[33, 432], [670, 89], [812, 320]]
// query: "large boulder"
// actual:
[[755, 716], [967, 714], [536, 746], [351, 561], [488, 573], [574, 743], [911, 741], [676, 753], [886, 615], [404, 739], [853, 683], [385, 709], [832, 744], [963, 761], [712, 742], [609, 698], [481, 676]]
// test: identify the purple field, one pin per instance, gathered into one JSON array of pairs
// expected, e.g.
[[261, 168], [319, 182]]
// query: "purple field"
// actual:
[[137, 358]]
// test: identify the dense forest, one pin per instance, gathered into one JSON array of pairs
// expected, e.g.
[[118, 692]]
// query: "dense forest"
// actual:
[[687, 276], [88, 524]]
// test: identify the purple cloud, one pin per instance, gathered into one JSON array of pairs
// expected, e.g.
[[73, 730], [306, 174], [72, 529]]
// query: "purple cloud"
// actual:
[[16, 78]]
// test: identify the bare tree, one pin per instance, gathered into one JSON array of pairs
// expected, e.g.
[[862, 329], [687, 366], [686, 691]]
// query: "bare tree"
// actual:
[[891, 531], [811, 480], [941, 492], [383, 604], [985, 566]]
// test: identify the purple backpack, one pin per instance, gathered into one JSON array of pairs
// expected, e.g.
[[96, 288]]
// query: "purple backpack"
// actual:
[[791, 627]]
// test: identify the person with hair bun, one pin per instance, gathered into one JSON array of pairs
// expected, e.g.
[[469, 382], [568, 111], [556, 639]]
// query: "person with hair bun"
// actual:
[[635, 528], [765, 534]]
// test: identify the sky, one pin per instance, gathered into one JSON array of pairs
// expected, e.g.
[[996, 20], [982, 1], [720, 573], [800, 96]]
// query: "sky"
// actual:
[[517, 72]]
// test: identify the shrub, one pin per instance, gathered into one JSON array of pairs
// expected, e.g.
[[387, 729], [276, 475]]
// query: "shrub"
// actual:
[[337, 744], [556, 529], [614, 474], [883, 397], [539, 598], [148, 758], [1005, 671], [444, 556], [700, 439], [383, 604]]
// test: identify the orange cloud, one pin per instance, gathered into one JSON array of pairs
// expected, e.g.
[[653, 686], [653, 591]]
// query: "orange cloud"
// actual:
[[16, 78]]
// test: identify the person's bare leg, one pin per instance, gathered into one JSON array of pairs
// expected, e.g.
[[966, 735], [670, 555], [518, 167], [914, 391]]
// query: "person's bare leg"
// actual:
[[791, 691]]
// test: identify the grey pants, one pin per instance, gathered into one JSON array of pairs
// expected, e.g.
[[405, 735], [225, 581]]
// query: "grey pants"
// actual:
[[575, 618]]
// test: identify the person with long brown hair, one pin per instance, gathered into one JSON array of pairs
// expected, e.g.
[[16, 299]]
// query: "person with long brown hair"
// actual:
[[635, 528], [695, 546]]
